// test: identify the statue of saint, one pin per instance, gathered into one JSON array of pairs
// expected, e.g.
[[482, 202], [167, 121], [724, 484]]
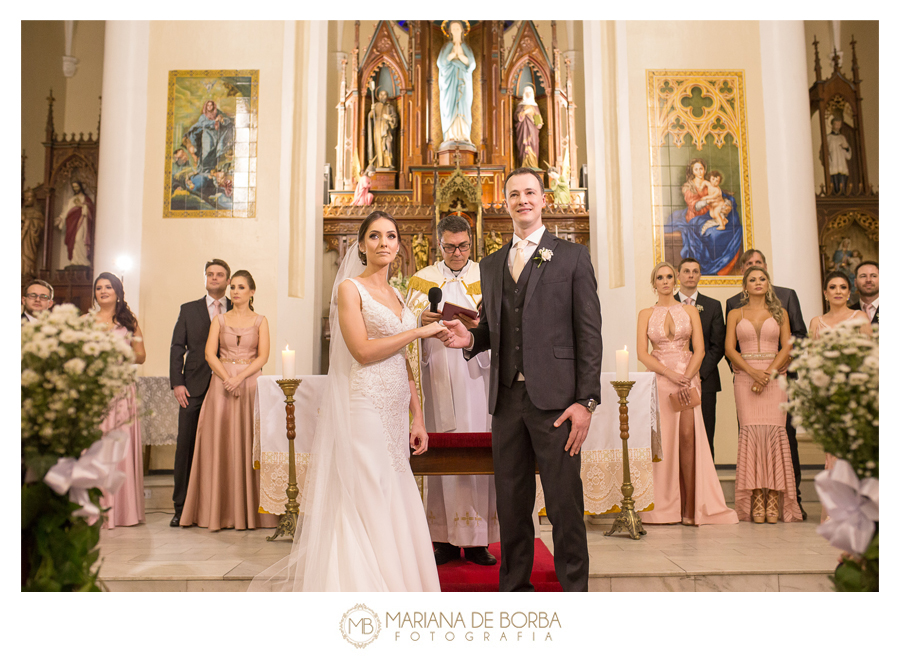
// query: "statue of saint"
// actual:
[[363, 195], [32, 232], [383, 120], [492, 243], [528, 129], [77, 222], [456, 62], [562, 196], [420, 251]]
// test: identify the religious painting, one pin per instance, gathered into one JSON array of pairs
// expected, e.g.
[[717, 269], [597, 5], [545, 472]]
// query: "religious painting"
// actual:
[[845, 241], [700, 172], [211, 137]]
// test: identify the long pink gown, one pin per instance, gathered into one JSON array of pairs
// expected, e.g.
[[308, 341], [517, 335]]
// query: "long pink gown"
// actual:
[[685, 485], [223, 490], [764, 455], [127, 504]]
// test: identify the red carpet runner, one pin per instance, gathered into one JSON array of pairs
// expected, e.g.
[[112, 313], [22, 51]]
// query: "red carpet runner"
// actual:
[[462, 576]]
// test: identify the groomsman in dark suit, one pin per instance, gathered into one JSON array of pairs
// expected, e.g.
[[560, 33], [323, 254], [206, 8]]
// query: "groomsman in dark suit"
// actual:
[[189, 373], [713, 324], [541, 321], [867, 285], [791, 303]]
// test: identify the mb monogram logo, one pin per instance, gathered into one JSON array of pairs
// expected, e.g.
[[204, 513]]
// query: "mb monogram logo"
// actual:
[[360, 626]]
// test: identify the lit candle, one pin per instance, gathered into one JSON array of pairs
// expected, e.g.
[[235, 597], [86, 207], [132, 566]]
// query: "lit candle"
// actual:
[[622, 365], [287, 363]]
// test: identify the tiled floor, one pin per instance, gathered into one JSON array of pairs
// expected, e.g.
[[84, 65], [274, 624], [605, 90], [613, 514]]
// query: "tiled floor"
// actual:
[[742, 557]]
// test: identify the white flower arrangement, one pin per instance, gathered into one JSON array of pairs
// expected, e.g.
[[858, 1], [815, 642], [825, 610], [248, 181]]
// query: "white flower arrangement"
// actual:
[[835, 396], [543, 256], [72, 368]]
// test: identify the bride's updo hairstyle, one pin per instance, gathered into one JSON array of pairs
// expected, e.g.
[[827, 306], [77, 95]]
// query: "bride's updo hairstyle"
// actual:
[[364, 227]]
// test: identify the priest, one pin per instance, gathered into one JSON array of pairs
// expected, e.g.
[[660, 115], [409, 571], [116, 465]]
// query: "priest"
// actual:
[[461, 509]]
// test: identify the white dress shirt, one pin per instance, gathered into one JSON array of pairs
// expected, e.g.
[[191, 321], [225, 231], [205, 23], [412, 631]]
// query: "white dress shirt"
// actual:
[[532, 241], [685, 298], [211, 306]]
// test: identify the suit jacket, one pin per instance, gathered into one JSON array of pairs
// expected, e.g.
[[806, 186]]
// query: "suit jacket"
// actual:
[[713, 323], [561, 323], [790, 302], [858, 307], [187, 359]]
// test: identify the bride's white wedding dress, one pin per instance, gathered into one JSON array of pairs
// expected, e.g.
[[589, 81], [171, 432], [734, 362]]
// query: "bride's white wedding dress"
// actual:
[[363, 522]]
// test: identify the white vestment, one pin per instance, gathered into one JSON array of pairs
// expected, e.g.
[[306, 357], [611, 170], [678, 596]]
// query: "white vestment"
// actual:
[[461, 509]]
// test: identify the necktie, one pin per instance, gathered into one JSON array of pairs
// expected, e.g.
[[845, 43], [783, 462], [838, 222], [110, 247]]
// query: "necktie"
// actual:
[[519, 262], [870, 310], [217, 308]]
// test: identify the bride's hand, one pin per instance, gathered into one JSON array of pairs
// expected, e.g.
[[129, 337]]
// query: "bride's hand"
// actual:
[[418, 438], [432, 329]]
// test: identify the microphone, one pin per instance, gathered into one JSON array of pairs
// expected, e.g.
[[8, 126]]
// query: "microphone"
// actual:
[[434, 296]]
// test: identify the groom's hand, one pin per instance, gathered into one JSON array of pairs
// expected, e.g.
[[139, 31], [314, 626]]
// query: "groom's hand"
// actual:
[[581, 421], [456, 335]]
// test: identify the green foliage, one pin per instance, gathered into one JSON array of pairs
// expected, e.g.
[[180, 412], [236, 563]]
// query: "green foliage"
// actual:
[[58, 549], [858, 575]]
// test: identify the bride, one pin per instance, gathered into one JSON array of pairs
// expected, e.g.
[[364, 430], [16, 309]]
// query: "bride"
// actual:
[[363, 523]]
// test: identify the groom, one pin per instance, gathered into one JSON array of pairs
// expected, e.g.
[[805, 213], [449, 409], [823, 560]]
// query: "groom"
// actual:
[[541, 321]]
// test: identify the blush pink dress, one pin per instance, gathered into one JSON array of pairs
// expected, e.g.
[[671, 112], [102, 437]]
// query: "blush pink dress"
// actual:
[[764, 455], [223, 490], [685, 484], [127, 504]]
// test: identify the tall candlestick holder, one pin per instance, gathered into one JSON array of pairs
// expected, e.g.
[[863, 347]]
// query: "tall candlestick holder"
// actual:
[[288, 523], [627, 520]]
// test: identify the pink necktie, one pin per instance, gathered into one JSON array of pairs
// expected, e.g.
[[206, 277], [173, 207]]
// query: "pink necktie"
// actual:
[[690, 301], [217, 307], [870, 310]]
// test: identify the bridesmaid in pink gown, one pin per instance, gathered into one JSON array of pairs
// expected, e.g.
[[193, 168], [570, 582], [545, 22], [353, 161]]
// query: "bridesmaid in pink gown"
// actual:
[[127, 504], [837, 294], [685, 485], [764, 488], [223, 490]]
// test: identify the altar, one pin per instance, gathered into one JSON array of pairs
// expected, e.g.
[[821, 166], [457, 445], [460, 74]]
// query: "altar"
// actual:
[[601, 454]]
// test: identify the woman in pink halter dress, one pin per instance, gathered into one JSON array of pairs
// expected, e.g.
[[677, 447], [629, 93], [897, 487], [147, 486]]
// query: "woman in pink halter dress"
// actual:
[[837, 294], [685, 485], [126, 506], [764, 488]]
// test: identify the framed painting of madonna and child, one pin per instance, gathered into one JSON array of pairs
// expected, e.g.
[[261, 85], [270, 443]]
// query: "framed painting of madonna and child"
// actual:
[[700, 171], [211, 136]]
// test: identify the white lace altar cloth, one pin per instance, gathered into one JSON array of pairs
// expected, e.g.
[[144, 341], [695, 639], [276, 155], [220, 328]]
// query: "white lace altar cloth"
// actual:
[[601, 455]]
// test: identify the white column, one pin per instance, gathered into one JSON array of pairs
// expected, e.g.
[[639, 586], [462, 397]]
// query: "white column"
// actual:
[[300, 205], [120, 185], [610, 190], [794, 261]]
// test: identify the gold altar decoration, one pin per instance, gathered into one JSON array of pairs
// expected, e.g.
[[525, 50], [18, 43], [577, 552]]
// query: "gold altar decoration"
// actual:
[[287, 525], [627, 519]]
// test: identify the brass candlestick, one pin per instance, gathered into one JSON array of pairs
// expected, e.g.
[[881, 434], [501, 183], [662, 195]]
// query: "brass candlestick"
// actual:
[[627, 519], [288, 523]]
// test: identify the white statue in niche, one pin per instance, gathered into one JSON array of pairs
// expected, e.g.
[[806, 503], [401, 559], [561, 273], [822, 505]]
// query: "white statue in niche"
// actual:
[[456, 62]]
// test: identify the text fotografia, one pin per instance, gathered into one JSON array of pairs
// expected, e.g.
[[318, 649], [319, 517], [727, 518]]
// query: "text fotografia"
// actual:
[[479, 626]]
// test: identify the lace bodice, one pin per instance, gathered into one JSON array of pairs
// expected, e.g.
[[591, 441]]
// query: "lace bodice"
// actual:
[[656, 328], [385, 382]]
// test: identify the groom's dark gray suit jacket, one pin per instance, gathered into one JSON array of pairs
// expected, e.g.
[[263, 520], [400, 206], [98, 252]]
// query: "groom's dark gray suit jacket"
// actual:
[[561, 343]]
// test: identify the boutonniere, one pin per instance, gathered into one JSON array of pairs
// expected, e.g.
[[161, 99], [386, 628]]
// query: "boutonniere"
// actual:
[[699, 308], [542, 256]]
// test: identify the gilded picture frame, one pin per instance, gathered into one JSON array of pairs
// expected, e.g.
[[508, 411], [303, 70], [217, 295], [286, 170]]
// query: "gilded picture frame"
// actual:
[[211, 139], [700, 170]]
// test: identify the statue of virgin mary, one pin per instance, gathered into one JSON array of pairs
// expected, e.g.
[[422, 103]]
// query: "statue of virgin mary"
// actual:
[[456, 62]]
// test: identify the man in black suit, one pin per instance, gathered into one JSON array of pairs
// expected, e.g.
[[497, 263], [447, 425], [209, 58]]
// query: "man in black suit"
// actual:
[[38, 296], [791, 303], [713, 324], [867, 285], [189, 373], [541, 320]]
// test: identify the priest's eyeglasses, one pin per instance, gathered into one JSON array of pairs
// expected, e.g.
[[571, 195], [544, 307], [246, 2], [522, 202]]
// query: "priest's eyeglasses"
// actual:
[[450, 249], [33, 295]]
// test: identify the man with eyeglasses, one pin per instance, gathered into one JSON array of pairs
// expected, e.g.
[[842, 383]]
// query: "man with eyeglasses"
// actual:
[[38, 297], [461, 509]]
